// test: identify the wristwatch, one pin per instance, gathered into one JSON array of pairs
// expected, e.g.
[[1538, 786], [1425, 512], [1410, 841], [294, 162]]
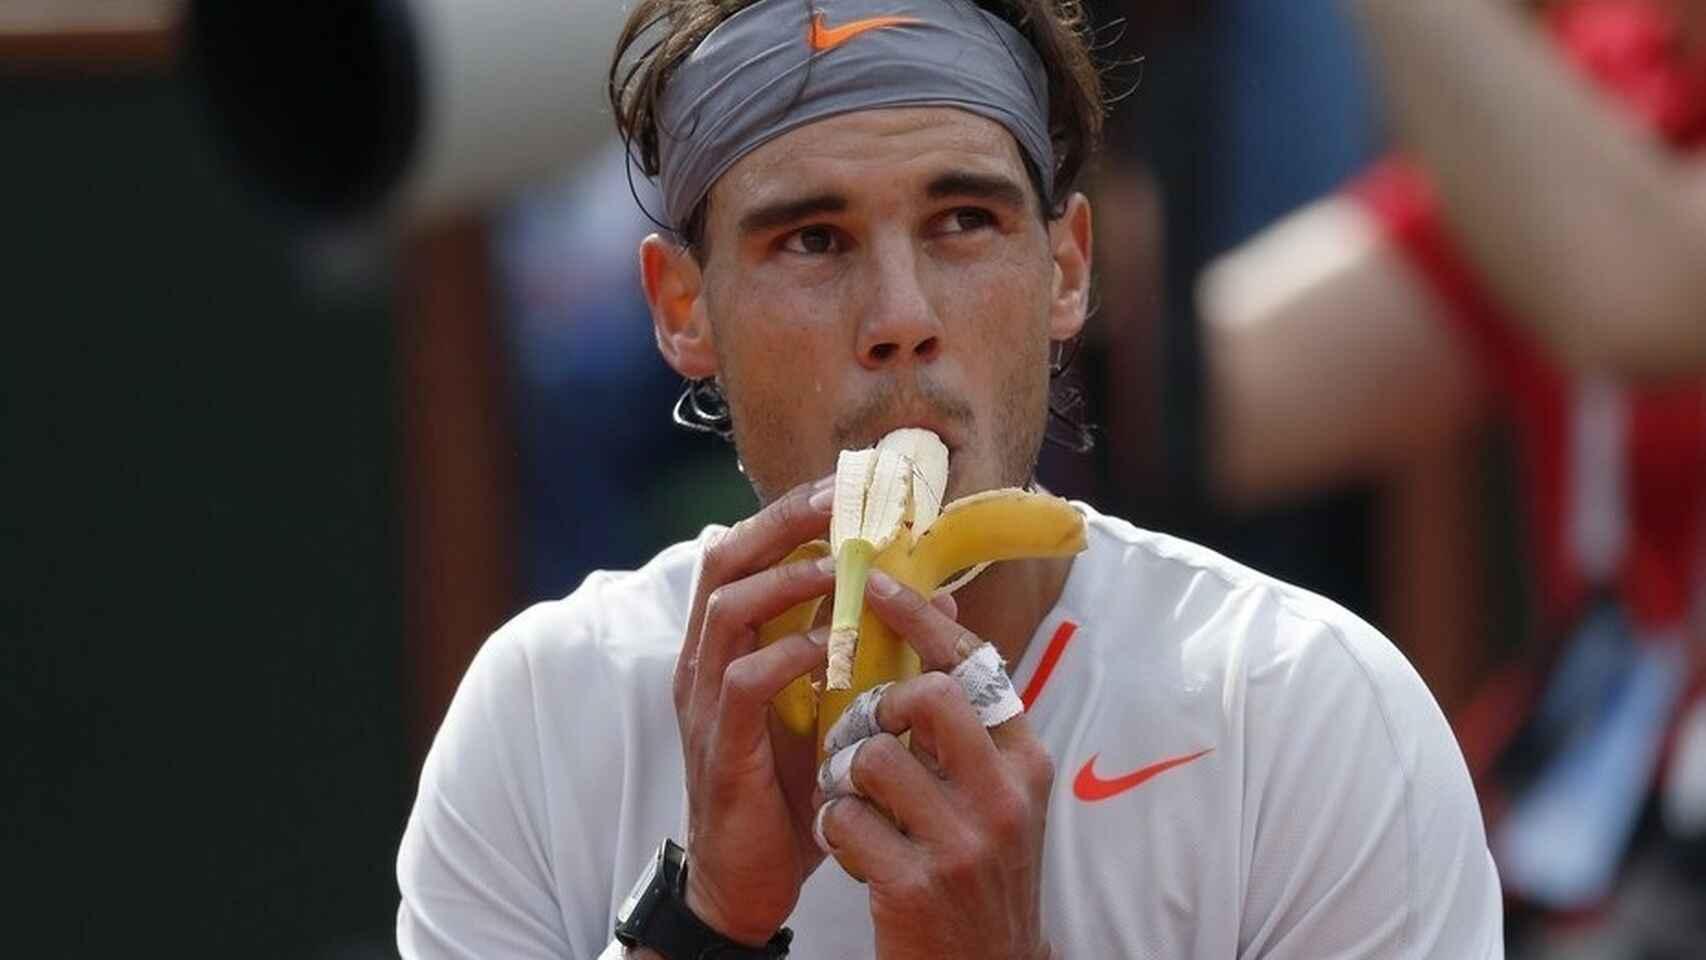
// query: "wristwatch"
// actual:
[[655, 916]]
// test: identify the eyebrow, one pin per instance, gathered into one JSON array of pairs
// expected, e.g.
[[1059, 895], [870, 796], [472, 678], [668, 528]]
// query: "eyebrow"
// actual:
[[783, 212], [982, 186]]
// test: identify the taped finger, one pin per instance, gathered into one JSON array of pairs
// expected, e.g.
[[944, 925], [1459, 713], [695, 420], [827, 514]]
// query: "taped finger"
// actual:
[[835, 775], [966, 645], [862, 840], [983, 677], [857, 722], [817, 826]]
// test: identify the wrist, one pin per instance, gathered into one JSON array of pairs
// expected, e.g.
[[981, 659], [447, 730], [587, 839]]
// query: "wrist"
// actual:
[[706, 907]]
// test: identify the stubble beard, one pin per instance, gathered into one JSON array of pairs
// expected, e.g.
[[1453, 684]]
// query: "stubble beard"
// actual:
[[1013, 435]]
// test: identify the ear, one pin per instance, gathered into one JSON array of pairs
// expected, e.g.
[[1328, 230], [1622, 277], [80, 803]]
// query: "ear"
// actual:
[[674, 287], [1069, 239]]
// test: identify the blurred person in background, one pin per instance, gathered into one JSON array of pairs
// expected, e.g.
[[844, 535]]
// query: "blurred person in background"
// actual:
[[1540, 249], [577, 333], [848, 254]]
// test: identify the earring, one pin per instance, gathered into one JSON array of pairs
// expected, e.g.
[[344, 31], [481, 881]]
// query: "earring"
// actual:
[[1067, 403], [1063, 352], [703, 408]]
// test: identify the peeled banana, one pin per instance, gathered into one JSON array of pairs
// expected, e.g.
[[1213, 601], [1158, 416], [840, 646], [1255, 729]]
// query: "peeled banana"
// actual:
[[888, 514], [888, 494]]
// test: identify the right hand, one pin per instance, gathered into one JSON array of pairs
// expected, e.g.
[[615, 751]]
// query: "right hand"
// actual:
[[749, 781]]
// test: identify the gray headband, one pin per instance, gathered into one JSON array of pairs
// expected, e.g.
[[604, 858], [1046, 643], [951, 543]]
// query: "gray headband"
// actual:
[[781, 64]]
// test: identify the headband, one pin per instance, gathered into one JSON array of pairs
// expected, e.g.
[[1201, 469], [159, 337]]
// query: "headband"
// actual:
[[781, 64]]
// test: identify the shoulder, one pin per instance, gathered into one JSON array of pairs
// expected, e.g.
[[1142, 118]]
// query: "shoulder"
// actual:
[[1357, 820], [497, 839], [615, 621], [603, 654], [1211, 602], [1239, 642]]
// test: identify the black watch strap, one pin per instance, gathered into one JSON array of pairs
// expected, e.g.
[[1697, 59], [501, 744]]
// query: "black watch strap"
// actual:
[[657, 918]]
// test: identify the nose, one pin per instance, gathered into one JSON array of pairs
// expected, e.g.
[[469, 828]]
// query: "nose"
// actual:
[[900, 326]]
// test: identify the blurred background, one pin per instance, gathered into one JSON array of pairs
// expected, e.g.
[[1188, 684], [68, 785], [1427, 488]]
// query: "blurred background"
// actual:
[[324, 355]]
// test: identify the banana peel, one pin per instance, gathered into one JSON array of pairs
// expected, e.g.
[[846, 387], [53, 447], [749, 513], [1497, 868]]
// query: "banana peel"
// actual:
[[796, 705]]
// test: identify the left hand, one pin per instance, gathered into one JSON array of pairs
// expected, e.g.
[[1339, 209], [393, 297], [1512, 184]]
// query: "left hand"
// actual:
[[948, 836]]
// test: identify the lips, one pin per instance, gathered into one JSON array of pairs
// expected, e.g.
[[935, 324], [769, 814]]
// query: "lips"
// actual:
[[950, 436]]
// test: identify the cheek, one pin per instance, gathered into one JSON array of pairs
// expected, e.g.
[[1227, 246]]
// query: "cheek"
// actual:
[[774, 372], [1004, 307]]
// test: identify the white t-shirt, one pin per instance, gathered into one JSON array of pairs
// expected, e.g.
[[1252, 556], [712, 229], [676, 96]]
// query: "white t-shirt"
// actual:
[[1331, 815]]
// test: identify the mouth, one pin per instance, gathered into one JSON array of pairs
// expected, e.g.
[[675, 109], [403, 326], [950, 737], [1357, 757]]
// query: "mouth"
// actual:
[[867, 435]]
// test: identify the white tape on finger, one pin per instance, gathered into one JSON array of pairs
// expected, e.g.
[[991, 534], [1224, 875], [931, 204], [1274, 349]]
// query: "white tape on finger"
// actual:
[[857, 722], [835, 776], [984, 679], [817, 827]]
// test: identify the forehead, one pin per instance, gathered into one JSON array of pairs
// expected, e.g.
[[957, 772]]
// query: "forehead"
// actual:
[[869, 153]]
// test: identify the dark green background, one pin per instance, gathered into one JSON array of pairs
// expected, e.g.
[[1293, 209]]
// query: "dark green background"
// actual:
[[200, 615]]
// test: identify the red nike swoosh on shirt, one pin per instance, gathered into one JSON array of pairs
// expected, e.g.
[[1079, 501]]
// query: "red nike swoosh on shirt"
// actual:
[[1091, 788]]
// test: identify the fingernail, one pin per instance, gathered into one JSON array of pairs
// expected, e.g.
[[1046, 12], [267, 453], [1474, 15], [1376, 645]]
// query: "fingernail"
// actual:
[[817, 827], [882, 584], [946, 603], [819, 636], [823, 500], [827, 564]]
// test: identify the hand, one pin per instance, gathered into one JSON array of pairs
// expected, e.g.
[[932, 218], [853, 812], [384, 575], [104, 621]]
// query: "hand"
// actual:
[[948, 836], [749, 781]]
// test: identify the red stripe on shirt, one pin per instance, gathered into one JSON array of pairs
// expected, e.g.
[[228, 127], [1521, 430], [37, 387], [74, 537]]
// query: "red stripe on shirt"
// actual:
[[1051, 656]]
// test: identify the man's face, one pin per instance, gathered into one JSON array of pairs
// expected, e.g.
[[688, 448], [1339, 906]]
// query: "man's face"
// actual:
[[882, 269]]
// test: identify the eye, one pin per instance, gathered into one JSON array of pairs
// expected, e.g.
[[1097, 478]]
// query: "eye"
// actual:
[[967, 219], [813, 241]]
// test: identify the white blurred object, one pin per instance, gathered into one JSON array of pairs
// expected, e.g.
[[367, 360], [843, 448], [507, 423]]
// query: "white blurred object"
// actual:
[[516, 91], [1563, 839], [1684, 802], [403, 109]]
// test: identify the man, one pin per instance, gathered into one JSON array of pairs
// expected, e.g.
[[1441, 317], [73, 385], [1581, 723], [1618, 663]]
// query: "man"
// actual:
[[1539, 248], [875, 227]]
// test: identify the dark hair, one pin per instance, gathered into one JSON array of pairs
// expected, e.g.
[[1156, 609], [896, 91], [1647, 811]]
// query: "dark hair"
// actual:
[[660, 34]]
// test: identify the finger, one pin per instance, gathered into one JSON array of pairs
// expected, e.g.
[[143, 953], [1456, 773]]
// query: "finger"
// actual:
[[756, 543], [884, 771], [866, 843], [765, 538], [942, 721], [750, 683], [857, 722], [934, 634], [983, 678], [735, 611], [835, 774], [946, 603]]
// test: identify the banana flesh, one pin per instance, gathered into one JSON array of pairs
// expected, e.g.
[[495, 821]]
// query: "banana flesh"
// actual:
[[920, 543], [888, 494]]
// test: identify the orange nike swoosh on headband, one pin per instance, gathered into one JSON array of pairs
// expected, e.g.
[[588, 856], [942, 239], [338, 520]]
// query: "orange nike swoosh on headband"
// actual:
[[1091, 788], [824, 38]]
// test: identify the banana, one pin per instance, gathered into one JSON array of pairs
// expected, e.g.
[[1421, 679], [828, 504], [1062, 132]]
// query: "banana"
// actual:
[[888, 514], [796, 705], [889, 494]]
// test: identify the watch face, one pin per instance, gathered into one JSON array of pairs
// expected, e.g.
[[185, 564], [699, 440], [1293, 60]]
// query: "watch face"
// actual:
[[645, 881]]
